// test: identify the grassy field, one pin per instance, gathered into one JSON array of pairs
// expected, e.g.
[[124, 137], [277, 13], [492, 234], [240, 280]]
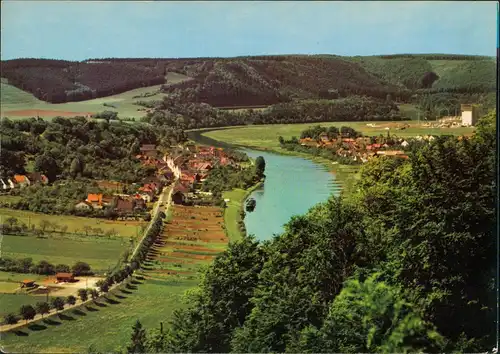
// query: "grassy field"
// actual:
[[14, 99], [107, 326], [75, 224], [266, 136], [100, 253], [189, 242], [10, 303], [9, 198], [232, 212]]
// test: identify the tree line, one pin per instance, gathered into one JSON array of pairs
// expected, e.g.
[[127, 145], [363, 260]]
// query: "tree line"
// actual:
[[404, 264], [43, 267], [226, 178], [28, 312], [174, 112], [77, 147]]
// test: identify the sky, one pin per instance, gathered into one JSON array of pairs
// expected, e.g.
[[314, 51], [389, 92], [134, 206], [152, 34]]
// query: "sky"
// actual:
[[77, 30]]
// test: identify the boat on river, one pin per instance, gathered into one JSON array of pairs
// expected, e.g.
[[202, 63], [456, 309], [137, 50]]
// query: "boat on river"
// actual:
[[250, 204]]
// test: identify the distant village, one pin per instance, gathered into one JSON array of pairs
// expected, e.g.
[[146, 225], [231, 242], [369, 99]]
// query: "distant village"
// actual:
[[364, 148]]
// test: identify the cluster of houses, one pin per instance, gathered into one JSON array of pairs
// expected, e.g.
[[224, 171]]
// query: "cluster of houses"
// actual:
[[132, 203], [21, 181], [363, 149], [194, 169]]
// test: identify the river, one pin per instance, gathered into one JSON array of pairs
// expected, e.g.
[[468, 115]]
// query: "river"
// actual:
[[292, 186]]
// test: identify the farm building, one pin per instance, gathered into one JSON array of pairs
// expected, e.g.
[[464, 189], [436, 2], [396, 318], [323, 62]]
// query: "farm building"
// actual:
[[178, 197], [28, 283], [470, 114], [65, 277]]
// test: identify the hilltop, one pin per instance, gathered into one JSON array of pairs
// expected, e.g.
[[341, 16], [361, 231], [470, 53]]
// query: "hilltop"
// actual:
[[254, 81]]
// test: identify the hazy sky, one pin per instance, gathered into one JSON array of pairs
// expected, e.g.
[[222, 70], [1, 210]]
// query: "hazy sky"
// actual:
[[78, 30]]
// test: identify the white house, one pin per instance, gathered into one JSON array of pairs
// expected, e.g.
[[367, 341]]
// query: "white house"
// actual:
[[84, 206], [405, 143], [11, 184], [146, 197]]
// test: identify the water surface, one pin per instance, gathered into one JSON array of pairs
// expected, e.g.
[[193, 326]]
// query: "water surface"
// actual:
[[293, 185]]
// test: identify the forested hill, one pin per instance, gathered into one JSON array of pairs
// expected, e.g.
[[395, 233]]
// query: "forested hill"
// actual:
[[404, 264], [257, 80]]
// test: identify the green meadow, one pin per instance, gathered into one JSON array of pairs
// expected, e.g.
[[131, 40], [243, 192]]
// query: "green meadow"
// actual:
[[100, 253], [13, 99], [107, 325], [266, 136]]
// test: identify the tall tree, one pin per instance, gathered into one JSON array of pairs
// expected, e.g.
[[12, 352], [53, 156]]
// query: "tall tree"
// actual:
[[42, 308], [260, 166], [57, 303], [83, 294], [71, 300], [222, 302], [47, 165], [138, 339], [368, 317], [27, 312]]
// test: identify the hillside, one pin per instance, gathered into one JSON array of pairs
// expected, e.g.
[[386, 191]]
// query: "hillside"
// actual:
[[246, 81]]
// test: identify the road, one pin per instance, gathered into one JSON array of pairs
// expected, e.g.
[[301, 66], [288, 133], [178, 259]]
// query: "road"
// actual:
[[165, 194]]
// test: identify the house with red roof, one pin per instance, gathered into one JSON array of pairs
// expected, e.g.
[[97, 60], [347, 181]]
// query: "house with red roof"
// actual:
[[21, 181]]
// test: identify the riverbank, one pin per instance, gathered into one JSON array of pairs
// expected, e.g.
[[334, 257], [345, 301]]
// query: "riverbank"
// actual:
[[345, 175], [232, 212]]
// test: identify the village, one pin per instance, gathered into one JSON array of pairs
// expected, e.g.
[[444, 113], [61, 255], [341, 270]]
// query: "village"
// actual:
[[192, 164]]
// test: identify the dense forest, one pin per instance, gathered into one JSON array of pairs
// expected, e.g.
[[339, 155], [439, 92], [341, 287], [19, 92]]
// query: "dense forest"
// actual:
[[175, 112], [58, 81], [259, 80], [405, 263], [77, 147]]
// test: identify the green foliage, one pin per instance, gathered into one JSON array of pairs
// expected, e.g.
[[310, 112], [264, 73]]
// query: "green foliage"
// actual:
[[405, 72], [27, 312], [222, 303], [10, 319], [138, 339], [66, 148], [260, 166], [57, 303], [42, 308], [83, 294], [71, 300], [81, 268], [108, 115], [367, 317], [224, 178], [306, 267], [177, 113], [405, 264], [469, 76]]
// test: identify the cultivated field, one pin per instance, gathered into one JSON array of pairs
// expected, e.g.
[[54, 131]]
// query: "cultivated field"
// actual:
[[191, 239], [16, 103], [100, 253], [266, 136], [76, 224]]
